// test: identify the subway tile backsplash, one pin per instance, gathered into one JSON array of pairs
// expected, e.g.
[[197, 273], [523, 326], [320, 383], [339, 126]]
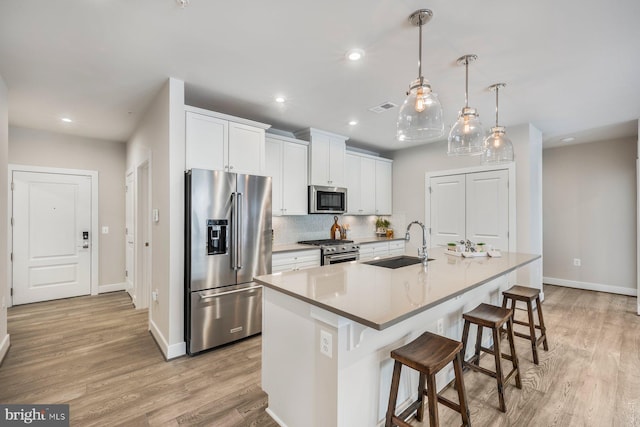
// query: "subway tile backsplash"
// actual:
[[292, 229]]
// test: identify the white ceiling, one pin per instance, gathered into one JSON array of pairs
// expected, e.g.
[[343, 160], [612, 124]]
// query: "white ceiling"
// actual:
[[571, 66]]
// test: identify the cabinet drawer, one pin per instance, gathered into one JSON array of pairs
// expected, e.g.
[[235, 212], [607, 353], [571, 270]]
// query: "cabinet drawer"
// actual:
[[396, 247]]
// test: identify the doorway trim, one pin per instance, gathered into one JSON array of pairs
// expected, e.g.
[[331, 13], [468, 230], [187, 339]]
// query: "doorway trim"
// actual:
[[95, 246], [142, 228]]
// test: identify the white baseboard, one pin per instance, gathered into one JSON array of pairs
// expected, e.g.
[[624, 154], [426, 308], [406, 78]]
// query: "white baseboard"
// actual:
[[599, 287], [113, 287], [274, 417], [169, 351], [4, 347]]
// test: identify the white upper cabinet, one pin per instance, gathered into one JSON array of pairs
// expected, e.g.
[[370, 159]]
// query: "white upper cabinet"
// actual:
[[326, 157], [206, 140], [286, 163], [384, 184], [220, 142], [368, 181]]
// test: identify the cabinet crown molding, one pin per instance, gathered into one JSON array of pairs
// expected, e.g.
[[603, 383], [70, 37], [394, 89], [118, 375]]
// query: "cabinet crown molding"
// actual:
[[189, 108]]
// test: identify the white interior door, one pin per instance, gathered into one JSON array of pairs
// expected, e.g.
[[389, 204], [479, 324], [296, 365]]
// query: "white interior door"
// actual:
[[51, 253], [447, 196], [488, 208], [129, 236]]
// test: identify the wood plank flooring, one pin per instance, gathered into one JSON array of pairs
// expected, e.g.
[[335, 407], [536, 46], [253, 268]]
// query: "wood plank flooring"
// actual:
[[96, 354]]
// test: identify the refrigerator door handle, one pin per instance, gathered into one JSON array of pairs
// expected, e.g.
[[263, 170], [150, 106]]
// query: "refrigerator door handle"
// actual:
[[239, 231], [235, 291], [234, 230]]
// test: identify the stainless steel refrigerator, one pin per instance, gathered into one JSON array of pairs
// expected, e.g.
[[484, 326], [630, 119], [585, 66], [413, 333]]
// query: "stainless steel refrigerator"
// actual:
[[228, 243]]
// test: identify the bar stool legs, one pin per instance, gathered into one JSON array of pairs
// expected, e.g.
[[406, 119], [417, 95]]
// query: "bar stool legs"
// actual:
[[427, 354], [492, 317], [528, 295]]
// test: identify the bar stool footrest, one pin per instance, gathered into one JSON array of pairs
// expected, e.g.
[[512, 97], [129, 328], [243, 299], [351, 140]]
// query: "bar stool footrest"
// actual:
[[481, 369]]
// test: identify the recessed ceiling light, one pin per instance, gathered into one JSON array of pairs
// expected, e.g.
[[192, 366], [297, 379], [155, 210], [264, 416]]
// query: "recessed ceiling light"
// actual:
[[355, 54], [66, 119], [568, 139], [280, 99], [353, 122]]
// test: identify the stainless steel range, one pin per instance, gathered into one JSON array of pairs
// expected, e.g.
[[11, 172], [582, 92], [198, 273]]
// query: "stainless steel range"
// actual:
[[335, 251]]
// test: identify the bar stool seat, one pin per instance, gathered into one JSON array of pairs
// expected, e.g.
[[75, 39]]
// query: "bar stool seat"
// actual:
[[528, 295], [492, 317], [427, 354]]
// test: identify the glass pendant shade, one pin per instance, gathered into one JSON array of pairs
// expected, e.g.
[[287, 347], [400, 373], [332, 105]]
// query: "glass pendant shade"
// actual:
[[497, 147], [420, 116], [466, 135]]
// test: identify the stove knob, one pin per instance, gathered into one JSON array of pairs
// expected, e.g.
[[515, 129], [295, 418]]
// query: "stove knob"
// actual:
[[330, 249]]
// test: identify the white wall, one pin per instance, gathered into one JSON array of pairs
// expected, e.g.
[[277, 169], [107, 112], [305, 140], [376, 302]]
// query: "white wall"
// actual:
[[590, 214], [160, 136], [4, 259], [410, 166], [49, 149]]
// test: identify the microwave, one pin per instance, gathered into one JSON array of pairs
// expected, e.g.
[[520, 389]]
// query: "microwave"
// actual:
[[329, 200]]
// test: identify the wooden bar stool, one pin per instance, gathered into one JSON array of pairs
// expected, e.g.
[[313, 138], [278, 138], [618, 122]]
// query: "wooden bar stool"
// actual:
[[427, 354], [493, 317], [528, 295]]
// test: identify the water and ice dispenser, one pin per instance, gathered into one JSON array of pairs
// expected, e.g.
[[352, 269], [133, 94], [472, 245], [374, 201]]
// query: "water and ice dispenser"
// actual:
[[217, 236]]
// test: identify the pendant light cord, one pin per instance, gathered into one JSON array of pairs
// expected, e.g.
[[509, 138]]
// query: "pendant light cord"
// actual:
[[466, 83], [420, 52], [497, 89]]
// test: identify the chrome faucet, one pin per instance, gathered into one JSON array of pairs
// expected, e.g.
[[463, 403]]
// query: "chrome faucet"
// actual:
[[422, 252]]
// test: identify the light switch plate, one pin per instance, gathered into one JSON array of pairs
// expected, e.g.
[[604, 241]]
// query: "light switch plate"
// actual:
[[105, 229]]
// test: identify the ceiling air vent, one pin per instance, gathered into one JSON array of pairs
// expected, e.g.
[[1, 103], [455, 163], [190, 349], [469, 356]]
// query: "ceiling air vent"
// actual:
[[383, 107]]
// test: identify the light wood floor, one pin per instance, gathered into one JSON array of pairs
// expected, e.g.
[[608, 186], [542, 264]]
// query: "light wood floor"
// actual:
[[96, 354]]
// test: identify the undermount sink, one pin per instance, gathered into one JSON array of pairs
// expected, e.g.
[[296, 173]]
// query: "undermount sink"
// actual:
[[396, 261]]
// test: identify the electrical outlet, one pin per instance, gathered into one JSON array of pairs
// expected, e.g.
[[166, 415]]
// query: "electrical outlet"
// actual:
[[154, 295], [440, 326], [326, 344], [577, 262]]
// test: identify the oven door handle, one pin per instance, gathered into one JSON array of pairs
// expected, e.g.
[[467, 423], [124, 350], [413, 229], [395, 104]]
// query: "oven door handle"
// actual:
[[338, 257]]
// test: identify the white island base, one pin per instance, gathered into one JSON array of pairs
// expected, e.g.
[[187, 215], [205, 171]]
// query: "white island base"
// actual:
[[350, 388], [320, 368]]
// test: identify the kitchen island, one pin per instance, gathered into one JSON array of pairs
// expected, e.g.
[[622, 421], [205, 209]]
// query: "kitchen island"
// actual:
[[328, 331]]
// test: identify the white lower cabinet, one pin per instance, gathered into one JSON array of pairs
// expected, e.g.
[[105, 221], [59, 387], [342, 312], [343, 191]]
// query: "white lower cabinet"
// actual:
[[396, 247], [295, 260], [381, 249]]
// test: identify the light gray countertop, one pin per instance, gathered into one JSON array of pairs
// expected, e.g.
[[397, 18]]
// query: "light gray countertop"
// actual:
[[378, 297]]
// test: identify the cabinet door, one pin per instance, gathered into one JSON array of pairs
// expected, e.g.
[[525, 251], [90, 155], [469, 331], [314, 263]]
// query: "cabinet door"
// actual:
[[383, 198], [447, 209], [273, 168], [352, 182], [337, 149], [368, 185], [487, 208], [206, 138], [320, 156], [246, 149], [294, 179], [327, 165]]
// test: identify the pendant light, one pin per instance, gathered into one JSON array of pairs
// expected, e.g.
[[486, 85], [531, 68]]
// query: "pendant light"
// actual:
[[497, 146], [420, 116], [466, 135]]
